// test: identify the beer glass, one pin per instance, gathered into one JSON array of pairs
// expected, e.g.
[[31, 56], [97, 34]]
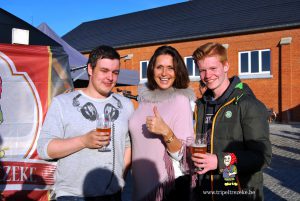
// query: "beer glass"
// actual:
[[104, 127], [198, 145]]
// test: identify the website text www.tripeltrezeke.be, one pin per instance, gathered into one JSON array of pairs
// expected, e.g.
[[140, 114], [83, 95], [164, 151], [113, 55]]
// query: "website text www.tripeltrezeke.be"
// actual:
[[229, 192]]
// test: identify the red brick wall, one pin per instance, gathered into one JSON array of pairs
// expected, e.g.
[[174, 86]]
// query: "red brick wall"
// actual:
[[267, 90]]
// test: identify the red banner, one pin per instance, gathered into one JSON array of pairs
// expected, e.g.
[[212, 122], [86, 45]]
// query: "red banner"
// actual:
[[29, 77]]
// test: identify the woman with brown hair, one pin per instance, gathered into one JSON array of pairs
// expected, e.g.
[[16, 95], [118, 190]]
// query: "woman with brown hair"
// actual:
[[162, 120]]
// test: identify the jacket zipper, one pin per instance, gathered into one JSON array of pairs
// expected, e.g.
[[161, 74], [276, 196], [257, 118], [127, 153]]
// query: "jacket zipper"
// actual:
[[212, 142]]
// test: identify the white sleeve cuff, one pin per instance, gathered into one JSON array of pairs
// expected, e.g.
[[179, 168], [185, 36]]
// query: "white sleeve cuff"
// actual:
[[177, 155]]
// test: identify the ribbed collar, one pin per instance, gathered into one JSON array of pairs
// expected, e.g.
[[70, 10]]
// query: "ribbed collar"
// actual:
[[158, 95]]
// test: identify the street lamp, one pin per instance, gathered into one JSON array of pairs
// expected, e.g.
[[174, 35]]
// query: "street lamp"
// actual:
[[127, 57]]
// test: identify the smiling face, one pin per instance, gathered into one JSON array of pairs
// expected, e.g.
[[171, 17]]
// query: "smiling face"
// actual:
[[227, 160], [103, 77], [164, 72], [214, 74]]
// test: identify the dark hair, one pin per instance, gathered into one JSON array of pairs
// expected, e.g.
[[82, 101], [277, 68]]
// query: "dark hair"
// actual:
[[182, 76], [102, 52], [210, 49]]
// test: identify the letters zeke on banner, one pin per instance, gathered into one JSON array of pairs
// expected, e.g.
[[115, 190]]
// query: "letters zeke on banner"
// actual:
[[29, 77]]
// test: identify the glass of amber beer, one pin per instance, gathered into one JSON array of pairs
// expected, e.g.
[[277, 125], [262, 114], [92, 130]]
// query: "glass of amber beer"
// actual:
[[104, 127], [198, 145]]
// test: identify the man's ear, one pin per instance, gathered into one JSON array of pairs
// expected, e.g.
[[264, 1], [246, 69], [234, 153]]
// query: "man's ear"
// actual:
[[90, 70], [226, 66]]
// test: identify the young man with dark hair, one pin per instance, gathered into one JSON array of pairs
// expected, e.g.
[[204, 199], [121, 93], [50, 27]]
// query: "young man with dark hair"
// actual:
[[69, 134]]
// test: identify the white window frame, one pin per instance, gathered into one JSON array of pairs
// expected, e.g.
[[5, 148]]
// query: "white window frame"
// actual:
[[192, 77], [260, 73], [141, 71]]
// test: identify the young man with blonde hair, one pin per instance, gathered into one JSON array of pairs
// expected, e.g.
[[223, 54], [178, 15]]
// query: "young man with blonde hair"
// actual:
[[237, 125]]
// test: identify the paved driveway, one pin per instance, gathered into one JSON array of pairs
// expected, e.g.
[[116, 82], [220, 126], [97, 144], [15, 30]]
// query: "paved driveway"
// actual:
[[282, 178]]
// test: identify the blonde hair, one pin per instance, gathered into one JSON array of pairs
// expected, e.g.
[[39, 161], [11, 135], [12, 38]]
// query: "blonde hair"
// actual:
[[210, 49]]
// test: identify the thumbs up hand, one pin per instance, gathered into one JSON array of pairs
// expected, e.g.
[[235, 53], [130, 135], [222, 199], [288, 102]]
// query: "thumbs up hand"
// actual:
[[156, 124]]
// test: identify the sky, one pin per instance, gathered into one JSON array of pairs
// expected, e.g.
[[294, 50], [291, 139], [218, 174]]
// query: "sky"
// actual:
[[64, 15]]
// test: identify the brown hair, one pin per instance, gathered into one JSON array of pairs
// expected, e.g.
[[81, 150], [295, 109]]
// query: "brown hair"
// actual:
[[210, 49], [102, 52], [182, 76]]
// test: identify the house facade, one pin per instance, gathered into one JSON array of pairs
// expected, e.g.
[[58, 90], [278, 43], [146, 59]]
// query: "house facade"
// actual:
[[265, 53]]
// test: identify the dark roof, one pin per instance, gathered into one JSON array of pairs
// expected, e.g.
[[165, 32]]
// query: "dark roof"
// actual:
[[78, 62], [185, 21], [9, 21]]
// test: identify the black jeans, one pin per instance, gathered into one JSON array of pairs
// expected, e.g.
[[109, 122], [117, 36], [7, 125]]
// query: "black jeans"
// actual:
[[181, 190], [113, 197]]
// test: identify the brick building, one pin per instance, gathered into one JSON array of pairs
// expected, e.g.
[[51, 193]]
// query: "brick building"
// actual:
[[262, 38]]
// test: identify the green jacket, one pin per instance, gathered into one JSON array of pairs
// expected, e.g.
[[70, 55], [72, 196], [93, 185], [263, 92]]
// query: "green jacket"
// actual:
[[240, 127]]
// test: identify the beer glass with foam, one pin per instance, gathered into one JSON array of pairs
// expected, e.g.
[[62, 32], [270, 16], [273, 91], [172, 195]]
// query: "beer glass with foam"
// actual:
[[198, 145], [104, 127]]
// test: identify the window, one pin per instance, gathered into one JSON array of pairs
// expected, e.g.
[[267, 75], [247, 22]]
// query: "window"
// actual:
[[143, 70], [191, 67], [255, 64]]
